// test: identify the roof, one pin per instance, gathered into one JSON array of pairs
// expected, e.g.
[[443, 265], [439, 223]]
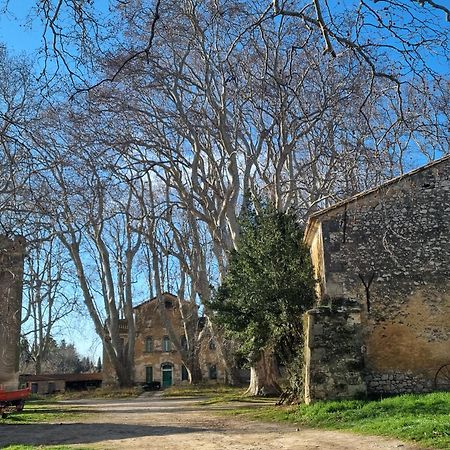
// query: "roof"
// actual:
[[164, 295], [96, 376], [312, 218]]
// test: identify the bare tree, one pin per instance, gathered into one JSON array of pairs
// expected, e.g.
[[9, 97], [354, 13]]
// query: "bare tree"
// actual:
[[377, 31], [216, 122], [92, 215], [19, 102], [48, 294], [208, 103]]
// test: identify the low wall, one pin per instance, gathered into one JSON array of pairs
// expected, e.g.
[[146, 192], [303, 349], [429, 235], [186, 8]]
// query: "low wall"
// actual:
[[334, 364], [397, 383]]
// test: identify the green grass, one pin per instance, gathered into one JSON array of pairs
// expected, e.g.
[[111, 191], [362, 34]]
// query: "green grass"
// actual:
[[423, 419], [47, 409], [45, 412], [214, 393], [203, 390]]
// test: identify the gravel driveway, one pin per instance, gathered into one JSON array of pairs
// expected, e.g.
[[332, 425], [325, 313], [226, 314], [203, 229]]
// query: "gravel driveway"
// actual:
[[164, 423]]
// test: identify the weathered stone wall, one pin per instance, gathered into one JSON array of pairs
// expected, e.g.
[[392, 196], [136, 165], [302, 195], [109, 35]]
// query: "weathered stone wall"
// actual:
[[333, 352], [396, 382], [390, 249], [11, 281]]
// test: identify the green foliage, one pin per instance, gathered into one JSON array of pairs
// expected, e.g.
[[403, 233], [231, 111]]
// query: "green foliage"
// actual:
[[269, 283], [423, 419]]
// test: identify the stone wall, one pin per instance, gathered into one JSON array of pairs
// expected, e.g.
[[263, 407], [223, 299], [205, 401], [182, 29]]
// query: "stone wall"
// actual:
[[11, 276], [390, 250], [397, 383], [334, 366]]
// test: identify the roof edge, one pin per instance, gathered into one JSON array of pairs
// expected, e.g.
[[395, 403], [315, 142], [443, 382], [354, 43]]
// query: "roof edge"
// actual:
[[312, 218], [164, 294]]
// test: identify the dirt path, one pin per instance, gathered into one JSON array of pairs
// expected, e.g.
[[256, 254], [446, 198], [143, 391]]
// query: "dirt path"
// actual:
[[158, 423]]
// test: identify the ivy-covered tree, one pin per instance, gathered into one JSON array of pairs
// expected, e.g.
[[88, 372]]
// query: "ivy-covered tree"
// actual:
[[268, 286]]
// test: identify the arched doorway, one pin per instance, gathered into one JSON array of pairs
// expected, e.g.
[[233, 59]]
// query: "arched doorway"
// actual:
[[166, 374]]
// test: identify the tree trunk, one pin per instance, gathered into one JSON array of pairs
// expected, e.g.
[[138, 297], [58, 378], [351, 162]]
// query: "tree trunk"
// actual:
[[264, 375], [194, 371], [124, 377], [38, 365], [123, 368], [232, 373]]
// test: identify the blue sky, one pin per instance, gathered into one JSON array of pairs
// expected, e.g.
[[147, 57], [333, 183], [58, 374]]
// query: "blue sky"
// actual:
[[20, 30]]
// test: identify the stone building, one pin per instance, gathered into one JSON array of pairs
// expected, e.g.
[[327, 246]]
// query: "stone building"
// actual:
[[11, 276], [156, 356], [61, 382], [382, 261]]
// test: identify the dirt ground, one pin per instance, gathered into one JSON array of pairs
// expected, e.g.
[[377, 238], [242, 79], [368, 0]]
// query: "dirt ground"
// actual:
[[160, 423]]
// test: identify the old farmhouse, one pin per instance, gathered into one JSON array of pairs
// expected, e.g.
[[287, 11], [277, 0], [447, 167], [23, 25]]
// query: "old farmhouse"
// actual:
[[157, 359], [382, 260]]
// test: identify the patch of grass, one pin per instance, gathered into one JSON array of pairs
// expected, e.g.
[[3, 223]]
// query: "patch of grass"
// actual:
[[238, 397], [100, 393], [423, 419], [44, 412], [46, 447], [203, 390], [214, 394]]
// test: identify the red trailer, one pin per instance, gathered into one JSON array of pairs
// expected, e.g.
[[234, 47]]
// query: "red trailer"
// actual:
[[12, 400]]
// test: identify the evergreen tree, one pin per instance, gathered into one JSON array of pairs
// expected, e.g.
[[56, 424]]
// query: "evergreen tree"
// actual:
[[268, 287]]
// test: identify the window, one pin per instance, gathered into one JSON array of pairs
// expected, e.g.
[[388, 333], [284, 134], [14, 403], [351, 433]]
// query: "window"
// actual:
[[183, 342], [166, 344], [148, 374], [212, 344], [184, 373], [149, 344], [213, 372]]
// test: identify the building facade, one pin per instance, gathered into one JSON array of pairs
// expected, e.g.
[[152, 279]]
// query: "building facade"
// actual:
[[157, 356], [382, 261]]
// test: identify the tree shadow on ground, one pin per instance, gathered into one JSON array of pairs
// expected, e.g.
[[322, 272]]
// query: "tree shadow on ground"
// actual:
[[85, 433]]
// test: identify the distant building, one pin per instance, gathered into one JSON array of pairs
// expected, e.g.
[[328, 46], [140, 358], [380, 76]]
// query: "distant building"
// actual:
[[11, 275], [52, 383], [157, 359], [382, 261]]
